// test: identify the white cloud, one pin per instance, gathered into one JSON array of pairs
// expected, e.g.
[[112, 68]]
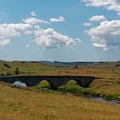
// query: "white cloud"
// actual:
[[33, 13], [87, 24], [99, 45], [60, 19], [8, 31], [98, 18], [50, 39], [46, 38], [108, 4], [34, 21], [4, 42], [27, 46], [106, 35], [78, 40]]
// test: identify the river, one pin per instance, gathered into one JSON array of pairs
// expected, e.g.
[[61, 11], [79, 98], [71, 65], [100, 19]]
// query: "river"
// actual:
[[99, 99], [113, 102]]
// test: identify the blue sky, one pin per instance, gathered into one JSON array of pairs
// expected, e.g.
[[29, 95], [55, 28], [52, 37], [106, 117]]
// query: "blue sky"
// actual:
[[60, 30]]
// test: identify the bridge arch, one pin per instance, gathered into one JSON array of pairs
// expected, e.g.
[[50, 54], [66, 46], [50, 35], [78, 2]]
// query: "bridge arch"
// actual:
[[24, 81], [71, 82], [45, 83], [51, 83]]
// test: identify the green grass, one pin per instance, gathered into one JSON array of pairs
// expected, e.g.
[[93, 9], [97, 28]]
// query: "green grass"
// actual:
[[44, 69], [43, 86]]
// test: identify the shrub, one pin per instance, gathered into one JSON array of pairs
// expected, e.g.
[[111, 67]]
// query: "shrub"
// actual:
[[2, 74], [109, 97], [8, 74], [6, 65], [16, 71], [117, 65]]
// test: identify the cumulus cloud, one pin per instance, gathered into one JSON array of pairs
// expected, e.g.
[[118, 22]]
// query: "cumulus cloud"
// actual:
[[8, 31], [4, 42], [60, 19], [50, 39], [106, 35], [108, 4], [98, 18], [87, 24], [78, 40], [33, 13], [27, 46], [46, 38], [13, 30], [34, 21]]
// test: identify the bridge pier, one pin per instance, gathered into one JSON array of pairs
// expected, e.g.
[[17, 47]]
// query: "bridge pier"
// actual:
[[56, 81], [84, 81]]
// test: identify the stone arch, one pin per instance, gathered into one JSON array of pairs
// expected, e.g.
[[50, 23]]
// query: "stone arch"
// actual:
[[51, 84], [71, 82], [44, 83], [84, 81], [23, 81], [54, 83]]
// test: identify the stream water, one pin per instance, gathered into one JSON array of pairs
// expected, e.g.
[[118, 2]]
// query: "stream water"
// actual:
[[99, 99], [113, 102]]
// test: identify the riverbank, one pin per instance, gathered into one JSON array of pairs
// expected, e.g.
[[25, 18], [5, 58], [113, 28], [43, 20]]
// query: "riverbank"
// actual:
[[108, 93], [107, 89]]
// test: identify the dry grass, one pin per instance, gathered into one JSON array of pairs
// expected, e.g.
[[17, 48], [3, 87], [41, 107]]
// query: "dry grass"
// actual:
[[98, 70], [106, 86], [19, 104]]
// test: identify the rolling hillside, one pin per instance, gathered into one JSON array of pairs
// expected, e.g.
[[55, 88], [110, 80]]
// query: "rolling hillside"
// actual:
[[98, 69]]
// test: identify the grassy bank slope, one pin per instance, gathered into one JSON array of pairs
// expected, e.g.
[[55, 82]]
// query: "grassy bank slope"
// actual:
[[106, 88], [19, 104], [32, 68]]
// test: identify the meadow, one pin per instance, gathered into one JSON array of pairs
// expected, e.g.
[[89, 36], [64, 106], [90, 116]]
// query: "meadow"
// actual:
[[39, 103]]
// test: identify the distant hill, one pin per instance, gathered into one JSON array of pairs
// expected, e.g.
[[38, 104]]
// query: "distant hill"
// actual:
[[80, 64]]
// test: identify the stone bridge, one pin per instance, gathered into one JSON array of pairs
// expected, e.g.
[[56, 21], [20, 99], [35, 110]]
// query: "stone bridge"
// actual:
[[54, 81]]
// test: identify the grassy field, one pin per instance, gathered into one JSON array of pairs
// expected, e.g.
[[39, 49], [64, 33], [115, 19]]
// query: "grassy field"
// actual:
[[34, 68], [38, 103], [19, 104]]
